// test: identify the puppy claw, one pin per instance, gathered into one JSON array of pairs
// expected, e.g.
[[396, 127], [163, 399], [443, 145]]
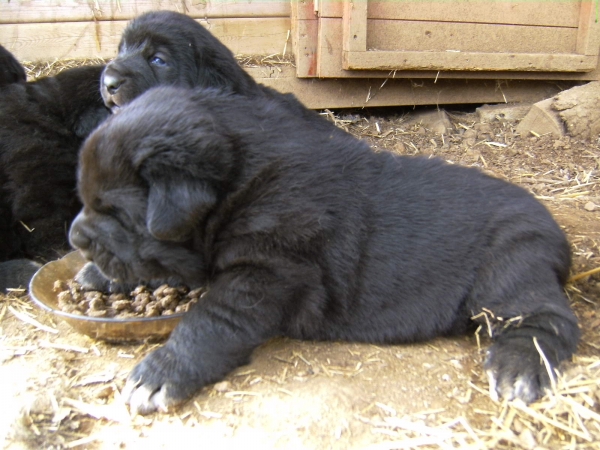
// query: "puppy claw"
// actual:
[[141, 401], [493, 385], [129, 388]]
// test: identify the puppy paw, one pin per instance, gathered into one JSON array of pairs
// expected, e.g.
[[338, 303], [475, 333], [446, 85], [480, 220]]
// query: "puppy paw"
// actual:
[[159, 383], [516, 370], [91, 279]]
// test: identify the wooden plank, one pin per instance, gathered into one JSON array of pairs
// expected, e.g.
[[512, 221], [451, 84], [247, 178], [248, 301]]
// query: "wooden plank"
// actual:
[[305, 47], [36, 11], [50, 41], [561, 13], [415, 60], [305, 31], [354, 37], [358, 93], [588, 37], [303, 9], [468, 37]]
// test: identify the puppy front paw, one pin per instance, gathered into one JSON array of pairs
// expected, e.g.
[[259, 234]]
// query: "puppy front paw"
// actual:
[[91, 279], [516, 370], [160, 382]]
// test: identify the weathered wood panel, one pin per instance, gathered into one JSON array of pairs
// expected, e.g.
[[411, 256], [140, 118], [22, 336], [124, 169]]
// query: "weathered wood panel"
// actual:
[[36, 11], [357, 93], [405, 35], [559, 13], [330, 57], [49, 41]]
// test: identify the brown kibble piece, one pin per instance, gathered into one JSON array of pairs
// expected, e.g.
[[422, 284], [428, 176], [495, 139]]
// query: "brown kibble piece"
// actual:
[[59, 286], [158, 292], [97, 313], [168, 302], [152, 310], [121, 305], [97, 303]]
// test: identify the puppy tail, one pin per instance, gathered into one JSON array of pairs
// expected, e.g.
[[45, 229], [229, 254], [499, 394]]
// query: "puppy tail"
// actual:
[[17, 273]]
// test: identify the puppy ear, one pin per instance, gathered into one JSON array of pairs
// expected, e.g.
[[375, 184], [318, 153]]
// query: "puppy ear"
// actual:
[[176, 206]]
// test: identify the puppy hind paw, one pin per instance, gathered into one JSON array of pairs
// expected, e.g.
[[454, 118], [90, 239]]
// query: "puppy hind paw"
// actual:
[[516, 372], [509, 388]]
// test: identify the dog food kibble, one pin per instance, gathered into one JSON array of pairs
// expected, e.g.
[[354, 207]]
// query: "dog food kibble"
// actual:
[[142, 301]]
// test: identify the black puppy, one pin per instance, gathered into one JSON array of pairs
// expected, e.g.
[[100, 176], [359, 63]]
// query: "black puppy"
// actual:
[[169, 48], [310, 234], [43, 124]]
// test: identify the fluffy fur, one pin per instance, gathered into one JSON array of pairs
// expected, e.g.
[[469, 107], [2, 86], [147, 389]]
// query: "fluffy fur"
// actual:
[[11, 71], [43, 124], [306, 232], [169, 48]]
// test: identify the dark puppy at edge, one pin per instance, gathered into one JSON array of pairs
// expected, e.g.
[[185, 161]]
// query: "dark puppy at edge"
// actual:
[[42, 126], [169, 48], [310, 234]]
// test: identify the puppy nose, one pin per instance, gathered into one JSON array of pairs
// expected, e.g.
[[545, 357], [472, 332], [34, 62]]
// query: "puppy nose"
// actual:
[[77, 237], [112, 82]]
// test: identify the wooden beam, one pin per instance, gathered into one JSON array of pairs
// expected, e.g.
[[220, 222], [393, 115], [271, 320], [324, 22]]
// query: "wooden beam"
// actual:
[[305, 31], [72, 40], [359, 93], [40, 11], [354, 36], [467, 61], [588, 36]]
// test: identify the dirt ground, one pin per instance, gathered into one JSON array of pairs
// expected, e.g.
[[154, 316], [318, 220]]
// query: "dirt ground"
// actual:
[[61, 389]]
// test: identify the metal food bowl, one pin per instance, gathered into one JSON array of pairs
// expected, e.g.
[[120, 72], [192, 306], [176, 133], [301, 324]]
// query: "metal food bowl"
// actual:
[[41, 290]]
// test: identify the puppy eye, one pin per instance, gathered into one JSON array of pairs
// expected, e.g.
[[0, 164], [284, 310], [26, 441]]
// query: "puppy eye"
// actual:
[[157, 61]]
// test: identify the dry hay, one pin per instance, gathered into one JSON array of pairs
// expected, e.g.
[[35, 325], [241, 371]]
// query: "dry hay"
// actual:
[[565, 417], [35, 70]]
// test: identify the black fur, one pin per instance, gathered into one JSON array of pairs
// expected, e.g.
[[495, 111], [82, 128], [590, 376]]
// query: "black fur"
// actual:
[[42, 126], [190, 56], [306, 232], [169, 48], [11, 71]]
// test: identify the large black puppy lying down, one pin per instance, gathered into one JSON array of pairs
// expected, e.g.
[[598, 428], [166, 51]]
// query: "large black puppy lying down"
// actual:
[[312, 235], [42, 125]]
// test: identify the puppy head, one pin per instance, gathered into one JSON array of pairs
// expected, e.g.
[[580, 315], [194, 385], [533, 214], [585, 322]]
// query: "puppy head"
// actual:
[[73, 97], [168, 48], [148, 179]]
